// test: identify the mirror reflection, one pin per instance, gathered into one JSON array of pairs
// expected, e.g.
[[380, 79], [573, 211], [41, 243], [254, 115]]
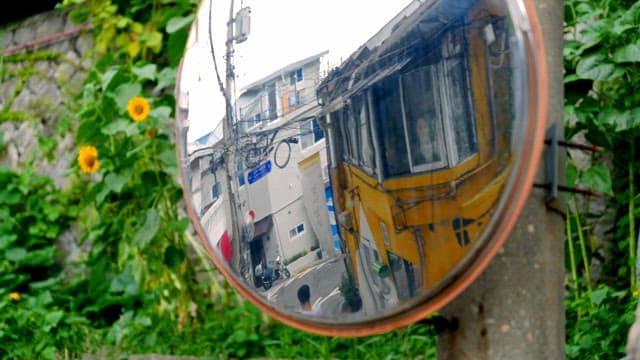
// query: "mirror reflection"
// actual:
[[343, 168]]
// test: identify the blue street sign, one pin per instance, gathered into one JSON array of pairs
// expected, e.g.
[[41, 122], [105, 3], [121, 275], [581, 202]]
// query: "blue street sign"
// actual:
[[259, 172]]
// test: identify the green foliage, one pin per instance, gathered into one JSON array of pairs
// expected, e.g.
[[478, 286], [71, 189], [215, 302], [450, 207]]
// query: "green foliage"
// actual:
[[35, 319], [602, 90], [139, 273], [591, 331]]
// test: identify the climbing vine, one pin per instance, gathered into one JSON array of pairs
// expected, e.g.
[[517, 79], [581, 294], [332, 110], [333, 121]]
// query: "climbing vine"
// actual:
[[601, 56]]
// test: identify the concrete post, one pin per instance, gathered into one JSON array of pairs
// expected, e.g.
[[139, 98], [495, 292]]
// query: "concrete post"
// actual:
[[515, 309]]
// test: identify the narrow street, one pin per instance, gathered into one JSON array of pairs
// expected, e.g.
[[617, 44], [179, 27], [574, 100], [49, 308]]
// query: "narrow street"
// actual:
[[324, 280]]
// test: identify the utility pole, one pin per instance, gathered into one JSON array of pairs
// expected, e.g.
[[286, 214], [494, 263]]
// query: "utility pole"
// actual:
[[515, 309], [230, 143]]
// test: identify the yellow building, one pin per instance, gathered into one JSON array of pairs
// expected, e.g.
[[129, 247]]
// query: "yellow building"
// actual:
[[414, 124]]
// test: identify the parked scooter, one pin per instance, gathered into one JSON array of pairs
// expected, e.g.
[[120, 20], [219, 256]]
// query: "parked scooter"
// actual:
[[280, 269], [270, 274], [267, 278]]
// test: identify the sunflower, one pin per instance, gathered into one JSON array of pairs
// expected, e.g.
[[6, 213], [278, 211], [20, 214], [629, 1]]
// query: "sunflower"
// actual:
[[88, 159], [150, 133], [138, 108], [15, 296]]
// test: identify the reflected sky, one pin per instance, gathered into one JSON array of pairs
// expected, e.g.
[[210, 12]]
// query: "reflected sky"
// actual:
[[279, 35]]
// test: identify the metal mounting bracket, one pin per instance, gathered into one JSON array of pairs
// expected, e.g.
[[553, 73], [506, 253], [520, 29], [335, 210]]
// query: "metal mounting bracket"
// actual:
[[551, 163]]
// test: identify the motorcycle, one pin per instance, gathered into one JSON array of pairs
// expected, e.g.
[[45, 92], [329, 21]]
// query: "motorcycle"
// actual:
[[267, 278], [271, 274], [281, 270]]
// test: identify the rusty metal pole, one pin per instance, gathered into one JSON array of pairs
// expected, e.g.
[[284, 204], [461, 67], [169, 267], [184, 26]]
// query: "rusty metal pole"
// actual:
[[515, 310]]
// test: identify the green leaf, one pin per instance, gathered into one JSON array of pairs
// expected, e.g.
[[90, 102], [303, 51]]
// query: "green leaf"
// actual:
[[6, 240], [597, 296], [149, 228], [39, 285], [104, 191], [627, 53], [114, 182], [79, 15], [112, 78], [44, 299], [166, 78], [146, 72], [125, 92], [53, 318], [120, 125], [180, 225], [161, 112], [87, 132], [143, 320], [597, 178], [176, 45], [596, 67], [570, 78], [124, 282], [620, 120], [154, 41], [9, 196], [41, 257], [15, 254], [179, 22], [169, 159]]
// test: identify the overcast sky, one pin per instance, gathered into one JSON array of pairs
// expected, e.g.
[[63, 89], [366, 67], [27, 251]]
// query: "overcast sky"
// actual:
[[282, 32]]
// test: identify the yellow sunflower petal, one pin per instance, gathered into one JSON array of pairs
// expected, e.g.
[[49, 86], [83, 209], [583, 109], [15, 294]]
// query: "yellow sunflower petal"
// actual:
[[138, 108], [88, 159]]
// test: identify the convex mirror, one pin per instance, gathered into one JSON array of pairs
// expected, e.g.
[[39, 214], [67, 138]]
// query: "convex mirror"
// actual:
[[351, 166]]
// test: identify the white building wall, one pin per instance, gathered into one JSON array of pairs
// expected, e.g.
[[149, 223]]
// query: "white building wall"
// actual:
[[289, 218], [279, 193]]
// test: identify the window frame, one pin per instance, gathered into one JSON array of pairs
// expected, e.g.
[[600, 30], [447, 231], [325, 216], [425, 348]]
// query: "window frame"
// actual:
[[294, 232], [308, 131]]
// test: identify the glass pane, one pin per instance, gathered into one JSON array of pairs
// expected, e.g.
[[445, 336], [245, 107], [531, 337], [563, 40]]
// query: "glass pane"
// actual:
[[360, 115], [386, 100], [318, 134], [460, 110], [423, 120], [306, 135]]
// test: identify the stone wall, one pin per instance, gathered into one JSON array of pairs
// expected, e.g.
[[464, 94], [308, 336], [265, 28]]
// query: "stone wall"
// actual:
[[41, 70]]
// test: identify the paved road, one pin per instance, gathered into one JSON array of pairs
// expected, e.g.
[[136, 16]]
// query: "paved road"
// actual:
[[323, 278]]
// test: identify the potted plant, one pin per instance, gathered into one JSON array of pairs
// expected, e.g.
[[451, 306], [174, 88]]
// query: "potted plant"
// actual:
[[350, 292]]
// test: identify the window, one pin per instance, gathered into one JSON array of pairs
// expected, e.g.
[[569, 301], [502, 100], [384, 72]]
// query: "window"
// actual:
[[388, 114], [215, 191], [405, 275], [240, 171], [271, 113], [296, 76], [293, 99], [310, 133], [460, 110], [423, 120], [360, 114], [423, 117], [296, 231], [256, 120]]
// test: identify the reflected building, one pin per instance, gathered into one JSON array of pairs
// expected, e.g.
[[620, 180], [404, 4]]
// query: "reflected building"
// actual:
[[283, 197], [284, 162], [419, 122]]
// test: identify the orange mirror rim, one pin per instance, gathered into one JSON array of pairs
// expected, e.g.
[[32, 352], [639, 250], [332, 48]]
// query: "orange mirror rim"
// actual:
[[515, 199]]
